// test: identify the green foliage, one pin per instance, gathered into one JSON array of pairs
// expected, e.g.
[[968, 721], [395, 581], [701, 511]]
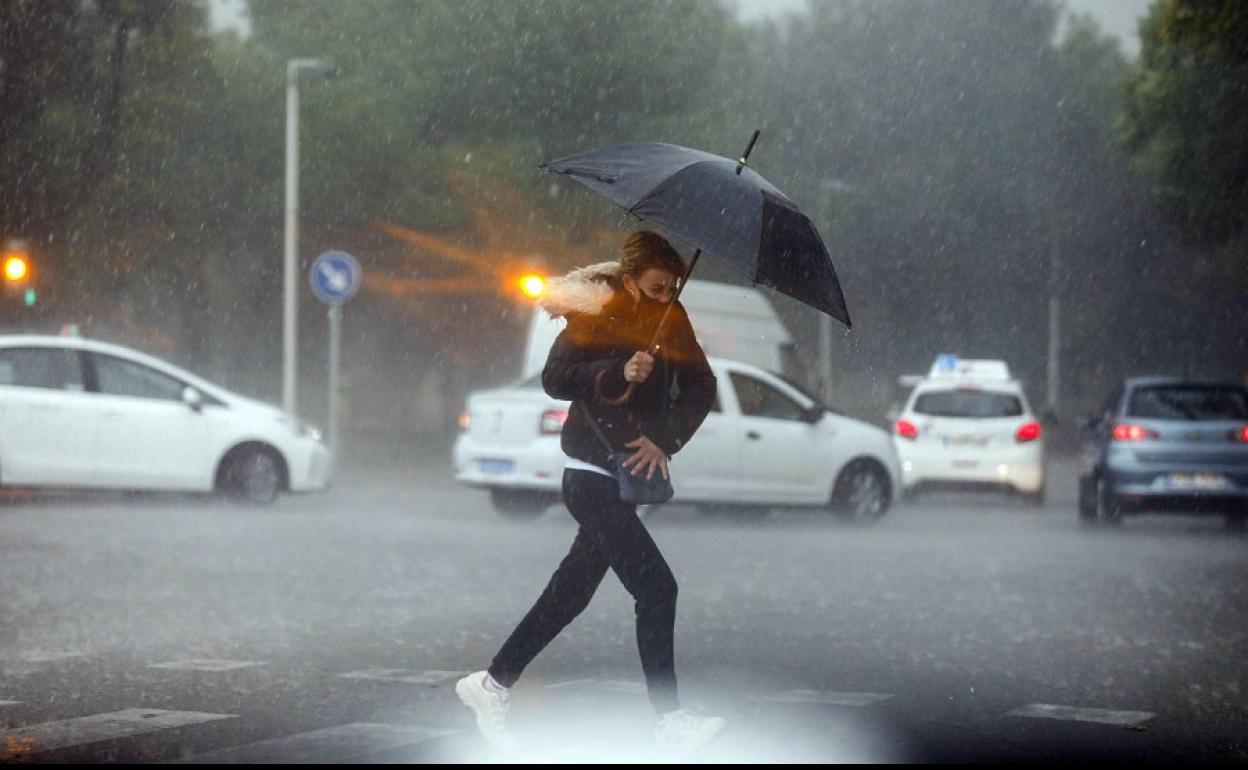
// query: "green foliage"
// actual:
[[961, 160], [1186, 120]]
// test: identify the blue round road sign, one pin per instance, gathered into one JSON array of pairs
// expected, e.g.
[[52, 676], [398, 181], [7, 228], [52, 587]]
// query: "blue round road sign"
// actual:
[[335, 277]]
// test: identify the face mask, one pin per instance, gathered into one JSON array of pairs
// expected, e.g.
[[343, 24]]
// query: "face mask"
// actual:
[[648, 301]]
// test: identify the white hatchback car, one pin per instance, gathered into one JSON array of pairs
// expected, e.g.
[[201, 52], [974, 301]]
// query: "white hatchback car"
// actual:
[[765, 443], [81, 413], [970, 425]]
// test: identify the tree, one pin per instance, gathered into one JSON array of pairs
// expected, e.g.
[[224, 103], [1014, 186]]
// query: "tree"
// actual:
[[1186, 120], [959, 158]]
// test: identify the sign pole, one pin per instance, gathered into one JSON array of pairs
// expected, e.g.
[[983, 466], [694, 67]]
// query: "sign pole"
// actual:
[[335, 348], [335, 277]]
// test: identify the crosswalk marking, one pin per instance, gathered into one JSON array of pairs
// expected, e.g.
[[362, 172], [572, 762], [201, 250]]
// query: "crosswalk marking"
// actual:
[[404, 675], [206, 664], [827, 698], [600, 685], [1076, 714], [48, 657], [331, 744], [98, 727]]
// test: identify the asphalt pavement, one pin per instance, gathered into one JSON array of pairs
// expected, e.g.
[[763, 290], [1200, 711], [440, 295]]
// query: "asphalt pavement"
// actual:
[[331, 627]]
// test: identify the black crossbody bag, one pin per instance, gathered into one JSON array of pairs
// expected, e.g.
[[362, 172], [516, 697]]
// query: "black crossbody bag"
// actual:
[[637, 490]]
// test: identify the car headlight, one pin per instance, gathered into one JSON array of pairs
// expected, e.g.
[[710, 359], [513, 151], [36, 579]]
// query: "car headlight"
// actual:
[[300, 428]]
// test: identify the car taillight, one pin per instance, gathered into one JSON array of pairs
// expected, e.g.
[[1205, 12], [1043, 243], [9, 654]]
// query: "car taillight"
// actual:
[[1029, 431], [1240, 435], [1126, 432], [907, 429], [552, 421], [465, 420]]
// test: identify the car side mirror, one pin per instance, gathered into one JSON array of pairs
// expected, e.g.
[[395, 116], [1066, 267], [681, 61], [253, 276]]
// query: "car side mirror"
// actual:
[[813, 414], [192, 398]]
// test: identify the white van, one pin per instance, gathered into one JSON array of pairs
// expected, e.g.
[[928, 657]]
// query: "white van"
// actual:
[[734, 322]]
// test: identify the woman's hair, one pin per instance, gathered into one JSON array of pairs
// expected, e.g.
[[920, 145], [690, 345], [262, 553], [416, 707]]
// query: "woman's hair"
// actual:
[[646, 249]]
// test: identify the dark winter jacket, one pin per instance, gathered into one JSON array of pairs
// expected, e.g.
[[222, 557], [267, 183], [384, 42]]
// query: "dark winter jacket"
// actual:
[[605, 328]]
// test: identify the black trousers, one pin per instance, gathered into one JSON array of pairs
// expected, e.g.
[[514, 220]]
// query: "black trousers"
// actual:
[[611, 536]]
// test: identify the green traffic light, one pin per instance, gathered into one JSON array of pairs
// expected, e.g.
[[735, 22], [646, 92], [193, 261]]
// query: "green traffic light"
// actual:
[[30, 297]]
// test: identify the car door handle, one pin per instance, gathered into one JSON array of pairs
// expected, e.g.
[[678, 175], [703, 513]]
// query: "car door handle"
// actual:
[[753, 435]]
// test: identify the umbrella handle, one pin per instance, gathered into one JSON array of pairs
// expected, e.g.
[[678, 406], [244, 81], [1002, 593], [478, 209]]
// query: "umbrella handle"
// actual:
[[620, 401]]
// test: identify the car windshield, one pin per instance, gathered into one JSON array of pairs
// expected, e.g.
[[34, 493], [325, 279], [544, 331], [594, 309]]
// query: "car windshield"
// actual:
[[815, 400], [975, 404], [1189, 402]]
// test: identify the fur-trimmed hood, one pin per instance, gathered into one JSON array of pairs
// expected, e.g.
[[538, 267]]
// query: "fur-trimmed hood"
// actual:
[[585, 290]]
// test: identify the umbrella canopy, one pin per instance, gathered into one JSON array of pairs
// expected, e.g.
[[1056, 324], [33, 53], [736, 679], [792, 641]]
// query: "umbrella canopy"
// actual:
[[720, 206]]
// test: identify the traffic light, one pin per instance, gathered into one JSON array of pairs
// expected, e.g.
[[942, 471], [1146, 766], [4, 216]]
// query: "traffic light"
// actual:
[[16, 267], [17, 272]]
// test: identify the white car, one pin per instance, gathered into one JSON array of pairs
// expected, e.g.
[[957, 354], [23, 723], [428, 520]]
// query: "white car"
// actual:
[[968, 424], [82, 413], [765, 443]]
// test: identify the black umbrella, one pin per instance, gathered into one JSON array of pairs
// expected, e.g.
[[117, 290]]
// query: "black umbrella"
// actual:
[[720, 206]]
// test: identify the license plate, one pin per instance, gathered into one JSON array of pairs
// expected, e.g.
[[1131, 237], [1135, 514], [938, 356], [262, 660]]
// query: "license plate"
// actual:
[[964, 440], [497, 466], [1196, 481], [966, 463]]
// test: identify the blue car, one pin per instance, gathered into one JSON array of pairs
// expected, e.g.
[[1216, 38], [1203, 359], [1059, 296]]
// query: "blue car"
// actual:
[[1167, 444]]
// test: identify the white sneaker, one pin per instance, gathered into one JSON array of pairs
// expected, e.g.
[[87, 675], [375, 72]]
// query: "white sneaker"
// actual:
[[685, 730], [490, 708]]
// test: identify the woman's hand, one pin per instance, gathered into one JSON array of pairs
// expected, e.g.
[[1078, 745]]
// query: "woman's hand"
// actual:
[[639, 367], [648, 456]]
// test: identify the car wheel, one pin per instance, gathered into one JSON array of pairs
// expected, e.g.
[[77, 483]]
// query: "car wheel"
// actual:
[[1237, 521], [252, 475], [861, 493], [520, 504], [1108, 506]]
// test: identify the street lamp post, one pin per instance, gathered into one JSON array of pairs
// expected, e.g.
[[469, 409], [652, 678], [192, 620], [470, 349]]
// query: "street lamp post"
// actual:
[[290, 302], [829, 187], [1055, 328]]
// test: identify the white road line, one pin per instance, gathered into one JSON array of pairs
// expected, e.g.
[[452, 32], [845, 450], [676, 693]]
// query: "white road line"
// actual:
[[1076, 714], [599, 685], [205, 664], [9, 702], [826, 698], [98, 727], [50, 657], [36, 658], [331, 744], [404, 675]]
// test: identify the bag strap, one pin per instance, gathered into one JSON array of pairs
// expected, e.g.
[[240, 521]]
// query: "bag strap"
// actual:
[[594, 424]]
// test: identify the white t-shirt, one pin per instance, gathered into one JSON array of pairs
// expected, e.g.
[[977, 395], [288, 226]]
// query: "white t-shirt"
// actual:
[[580, 465]]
